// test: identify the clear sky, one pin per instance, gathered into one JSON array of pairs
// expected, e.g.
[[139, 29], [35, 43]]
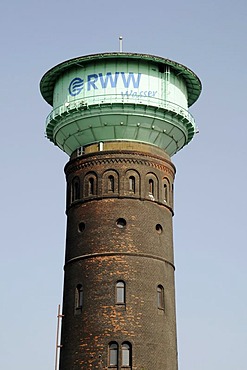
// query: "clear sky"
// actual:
[[210, 191]]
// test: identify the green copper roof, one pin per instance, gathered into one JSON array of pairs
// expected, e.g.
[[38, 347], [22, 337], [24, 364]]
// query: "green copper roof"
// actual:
[[48, 81]]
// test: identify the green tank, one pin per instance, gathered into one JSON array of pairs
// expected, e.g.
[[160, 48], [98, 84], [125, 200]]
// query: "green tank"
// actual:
[[120, 96]]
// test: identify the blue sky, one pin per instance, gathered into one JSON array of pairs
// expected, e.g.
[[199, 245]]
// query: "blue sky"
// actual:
[[210, 190]]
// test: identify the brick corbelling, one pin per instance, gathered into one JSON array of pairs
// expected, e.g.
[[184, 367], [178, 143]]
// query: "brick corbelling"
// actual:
[[110, 254], [117, 157], [122, 166]]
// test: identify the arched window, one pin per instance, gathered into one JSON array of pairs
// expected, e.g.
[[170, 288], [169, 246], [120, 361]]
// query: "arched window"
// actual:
[[75, 189], [79, 297], [166, 190], [132, 184], [111, 183], [91, 186], [165, 193], [113, 354], [120, 292], [171, 195], [126, 354], [160, 297], [151, 187]]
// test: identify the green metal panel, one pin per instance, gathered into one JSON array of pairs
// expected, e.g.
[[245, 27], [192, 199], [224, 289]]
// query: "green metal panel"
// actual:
[[119, 82], [120, 96]]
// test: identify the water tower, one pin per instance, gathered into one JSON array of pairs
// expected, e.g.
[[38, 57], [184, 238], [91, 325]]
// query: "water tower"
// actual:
[[120, 117]]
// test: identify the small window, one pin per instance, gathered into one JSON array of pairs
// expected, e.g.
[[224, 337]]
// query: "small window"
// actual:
[[151, 186], [160, 297], [121, 223], [120, 292], [81, 227], [126, 354], [113, 354], [159, 228], [75, 189], [132, 184], [79, 297], [91, 186], [171, 195], [165, 193], [111, 183]]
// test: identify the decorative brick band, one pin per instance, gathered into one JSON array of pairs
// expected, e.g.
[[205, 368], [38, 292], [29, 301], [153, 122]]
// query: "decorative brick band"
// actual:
[[110, 254], [70, 168]]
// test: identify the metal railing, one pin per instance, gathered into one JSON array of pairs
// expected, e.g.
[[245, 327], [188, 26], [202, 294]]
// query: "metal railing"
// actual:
[[84, 103]]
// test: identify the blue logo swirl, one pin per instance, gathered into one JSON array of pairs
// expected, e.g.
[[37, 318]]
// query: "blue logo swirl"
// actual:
[[76, 86]]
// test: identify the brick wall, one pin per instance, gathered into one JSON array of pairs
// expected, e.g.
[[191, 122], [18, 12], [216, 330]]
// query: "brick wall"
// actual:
[[119, 228]]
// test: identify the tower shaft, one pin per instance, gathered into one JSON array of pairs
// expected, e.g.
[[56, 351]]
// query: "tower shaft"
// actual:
[[119, 295]]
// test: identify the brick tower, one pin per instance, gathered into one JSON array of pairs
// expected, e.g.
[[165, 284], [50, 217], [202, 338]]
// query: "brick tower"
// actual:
[[120, 117]]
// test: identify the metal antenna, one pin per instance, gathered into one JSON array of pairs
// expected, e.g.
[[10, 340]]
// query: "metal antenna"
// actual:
[[120, 44]]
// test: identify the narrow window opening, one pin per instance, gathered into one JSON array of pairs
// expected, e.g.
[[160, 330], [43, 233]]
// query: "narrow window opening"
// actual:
[[120, 292], [91, 186], [113, 354], [79, 297], [75, 190], [171, 195], [165, 193], [126, 355], [111, 183], [160, 297], [132, 184], [151, 186]]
